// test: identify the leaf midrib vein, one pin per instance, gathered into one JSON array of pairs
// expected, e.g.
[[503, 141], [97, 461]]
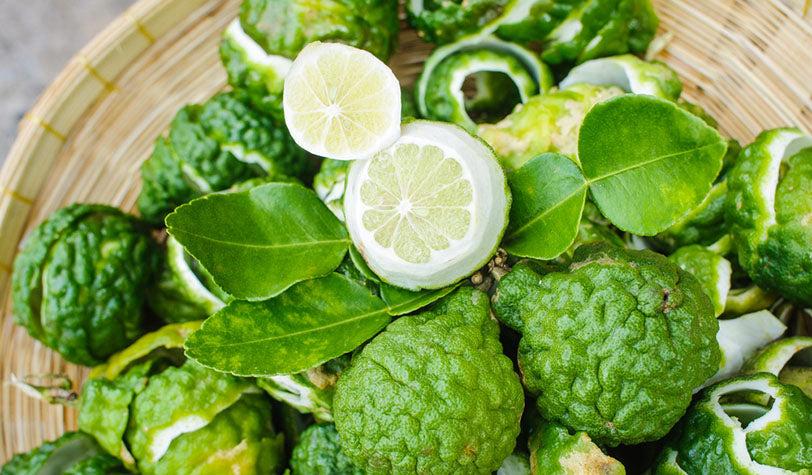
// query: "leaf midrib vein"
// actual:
[[297, 333], [546, 212], [649, 162], [310, 243]]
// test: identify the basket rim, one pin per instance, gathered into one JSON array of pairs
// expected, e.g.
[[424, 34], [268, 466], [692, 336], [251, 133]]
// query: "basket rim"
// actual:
[[88, 76]]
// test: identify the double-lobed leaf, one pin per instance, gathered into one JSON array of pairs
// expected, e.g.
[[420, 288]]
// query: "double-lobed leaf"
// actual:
[[310, 323], [648, 161], [645, 161], [549, 193], [259, 242]]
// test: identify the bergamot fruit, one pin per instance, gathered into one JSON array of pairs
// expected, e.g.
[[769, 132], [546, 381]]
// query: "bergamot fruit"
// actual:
[[629, 73], [545, 123], [162, 414], [769, 208], [74, 453], [433, 393], [615, 345], [740, 438], [318, 452], [711, 269], [211, 147], [430, 210], [555, 451], [80, 281]]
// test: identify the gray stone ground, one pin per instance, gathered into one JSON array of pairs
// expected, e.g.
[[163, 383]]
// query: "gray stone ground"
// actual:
[[37, 38]]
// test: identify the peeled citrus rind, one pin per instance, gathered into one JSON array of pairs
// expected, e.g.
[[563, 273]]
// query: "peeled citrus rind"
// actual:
[[533, 66], [740, 338], [190, 285], [742, 437], [445, 99], [629, 73], [429, 210], [738, 443], [341, 102], [254, 54], [774, 357], [767, 211]]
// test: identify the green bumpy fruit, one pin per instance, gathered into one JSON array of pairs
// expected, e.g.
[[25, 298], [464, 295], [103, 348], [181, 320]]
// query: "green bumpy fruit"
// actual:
[[554, 451], [579, 30], [239, 439], [284, 27], [256, 49], [212, 146], [769, 207], [711, 270], [545, 123], [319, 453], [614, 346], [74, 453], [162, 414], [433, 393], [443, 22], [717, 436], [80, 281]]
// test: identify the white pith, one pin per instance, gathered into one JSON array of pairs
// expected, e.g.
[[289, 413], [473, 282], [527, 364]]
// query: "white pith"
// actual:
[[163, 437], [739, 447], [458, 78], [248, 156], [487, 211], [724, 273], [294, 393], [194, 287], [781, 145], [615, 71], [254, 53], [785, 350], [741, 337]]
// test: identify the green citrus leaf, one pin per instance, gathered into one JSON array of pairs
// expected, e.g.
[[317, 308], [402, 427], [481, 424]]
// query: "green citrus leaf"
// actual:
[[648, 161], [310, 323], [259, 242], [401, 301], [549, 193]]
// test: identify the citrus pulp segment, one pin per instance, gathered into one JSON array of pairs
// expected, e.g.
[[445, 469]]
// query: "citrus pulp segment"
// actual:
[[430, 209], [341, 102]]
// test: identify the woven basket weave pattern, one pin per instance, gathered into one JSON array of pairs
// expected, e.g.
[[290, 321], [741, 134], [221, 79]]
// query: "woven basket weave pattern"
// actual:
[[748, 62]]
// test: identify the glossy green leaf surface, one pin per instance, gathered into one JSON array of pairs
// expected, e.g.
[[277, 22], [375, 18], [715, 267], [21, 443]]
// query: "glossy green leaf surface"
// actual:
[[548, 199], [648, 161], [310, 323], [257, 243]]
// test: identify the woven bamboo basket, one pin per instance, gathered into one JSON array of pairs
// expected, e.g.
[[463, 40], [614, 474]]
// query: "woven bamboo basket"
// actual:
[[748, 62]]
